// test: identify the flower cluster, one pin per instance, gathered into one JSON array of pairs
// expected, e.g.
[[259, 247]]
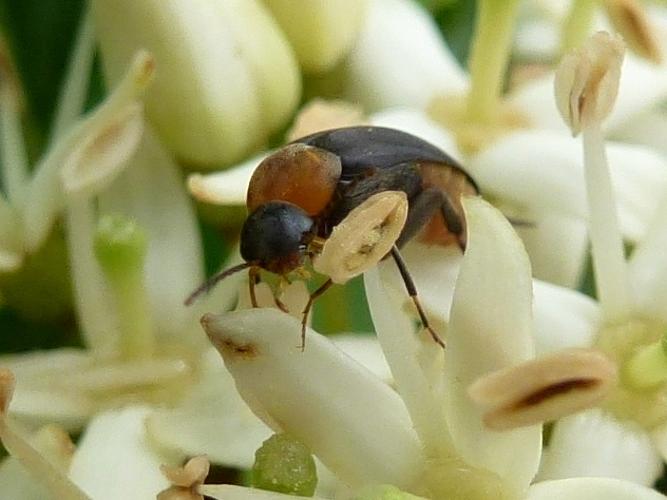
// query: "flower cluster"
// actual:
[[540, 392]]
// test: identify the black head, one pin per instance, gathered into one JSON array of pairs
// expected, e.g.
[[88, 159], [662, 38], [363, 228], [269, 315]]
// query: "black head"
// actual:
[[274, 236]]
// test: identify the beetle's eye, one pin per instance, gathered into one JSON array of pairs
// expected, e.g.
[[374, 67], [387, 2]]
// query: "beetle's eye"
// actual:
[[364, 237], [275, 232], [303, 175]]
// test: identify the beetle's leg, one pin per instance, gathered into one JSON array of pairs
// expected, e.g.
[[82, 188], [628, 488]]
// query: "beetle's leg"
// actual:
[[453, 220], [412, 291], [253, 279], [313, 296]]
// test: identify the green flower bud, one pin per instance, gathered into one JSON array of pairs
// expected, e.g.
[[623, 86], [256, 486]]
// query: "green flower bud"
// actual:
[[285, 465]]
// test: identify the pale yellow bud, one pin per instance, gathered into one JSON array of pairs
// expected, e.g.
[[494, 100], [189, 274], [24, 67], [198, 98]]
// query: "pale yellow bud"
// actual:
[[321, 31], [587, 81], [226, 78]]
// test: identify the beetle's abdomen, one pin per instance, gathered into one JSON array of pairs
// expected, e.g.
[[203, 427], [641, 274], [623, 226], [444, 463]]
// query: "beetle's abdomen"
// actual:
[[300, 174], [456, 184]]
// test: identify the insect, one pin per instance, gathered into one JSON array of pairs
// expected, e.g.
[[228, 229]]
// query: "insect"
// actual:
[[300, 194]]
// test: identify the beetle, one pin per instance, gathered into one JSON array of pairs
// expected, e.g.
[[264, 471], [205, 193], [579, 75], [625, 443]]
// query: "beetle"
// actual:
[[301, 193]]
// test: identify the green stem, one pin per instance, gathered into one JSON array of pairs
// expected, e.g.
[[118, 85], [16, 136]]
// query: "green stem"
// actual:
[[648, 367], [606, 241], [74, 91], [492, 42], [578, 24], [120, 248]]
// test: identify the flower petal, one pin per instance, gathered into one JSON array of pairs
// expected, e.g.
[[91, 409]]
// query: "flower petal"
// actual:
[[11, 255], [490, 328], [557, 246], [93, 301], [365, 350], [17, 483], [595, 444], [563, 318], [591, 488], [100, 157], [41, 396], [228, 187], [114, 460], [410, 360], [231, 492], [541, 172], [648, 272], [319, 395], [45, 190], [434, 270], [417, 122], [45, 469], [400, 59], [211, 420]]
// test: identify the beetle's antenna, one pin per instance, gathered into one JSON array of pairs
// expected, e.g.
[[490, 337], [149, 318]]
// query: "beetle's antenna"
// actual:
[[214, 280]]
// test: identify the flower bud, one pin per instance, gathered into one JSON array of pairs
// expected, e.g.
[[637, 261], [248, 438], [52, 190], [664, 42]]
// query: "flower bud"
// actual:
[[225, 76], [321, 32]]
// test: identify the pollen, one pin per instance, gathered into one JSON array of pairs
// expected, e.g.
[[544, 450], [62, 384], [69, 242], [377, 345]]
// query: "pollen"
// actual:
[[364, 237]]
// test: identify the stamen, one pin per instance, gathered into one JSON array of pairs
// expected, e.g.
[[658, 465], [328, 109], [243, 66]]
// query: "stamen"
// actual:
[[586, 87], [185, 480], [543, 389], [364, 237], [630, 19]]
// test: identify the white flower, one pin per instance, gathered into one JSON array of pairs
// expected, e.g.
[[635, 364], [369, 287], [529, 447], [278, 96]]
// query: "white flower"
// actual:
[[431, 439]]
